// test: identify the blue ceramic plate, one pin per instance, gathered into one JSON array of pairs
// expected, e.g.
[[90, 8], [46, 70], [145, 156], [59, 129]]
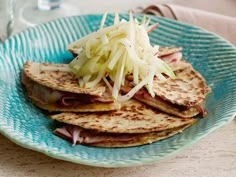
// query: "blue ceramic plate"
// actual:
[[29, 127]]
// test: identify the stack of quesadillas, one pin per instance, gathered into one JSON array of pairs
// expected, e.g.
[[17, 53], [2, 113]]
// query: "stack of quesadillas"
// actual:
[[93, 117]]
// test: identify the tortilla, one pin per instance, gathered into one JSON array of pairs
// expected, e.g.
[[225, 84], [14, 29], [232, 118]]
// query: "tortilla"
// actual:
[[182, 96], [57, 90], [133, 117], [164, 51], [188, 89], [59, 80], [134, 124]]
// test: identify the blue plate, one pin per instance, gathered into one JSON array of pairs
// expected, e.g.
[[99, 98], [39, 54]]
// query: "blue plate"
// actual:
[[28, 126]]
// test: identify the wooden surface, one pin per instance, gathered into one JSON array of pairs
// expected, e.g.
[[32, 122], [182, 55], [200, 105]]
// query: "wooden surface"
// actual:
[[213, 156]]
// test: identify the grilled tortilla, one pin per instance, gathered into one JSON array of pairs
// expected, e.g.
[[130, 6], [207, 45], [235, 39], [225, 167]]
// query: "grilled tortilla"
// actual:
[[183, 96], [134, 124], [58, 90]]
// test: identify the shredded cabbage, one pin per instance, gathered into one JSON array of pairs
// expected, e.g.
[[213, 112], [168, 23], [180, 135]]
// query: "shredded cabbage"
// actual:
[[115, 51]]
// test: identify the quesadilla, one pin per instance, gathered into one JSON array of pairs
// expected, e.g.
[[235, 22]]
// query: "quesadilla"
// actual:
[[134, 124], [52, 87], [183, 96]]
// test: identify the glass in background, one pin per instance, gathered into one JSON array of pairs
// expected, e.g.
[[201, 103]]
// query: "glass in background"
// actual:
[[6, 18], [34, 12]]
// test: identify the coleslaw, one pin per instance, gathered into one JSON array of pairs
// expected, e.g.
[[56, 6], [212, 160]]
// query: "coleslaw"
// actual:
[[112, 52]]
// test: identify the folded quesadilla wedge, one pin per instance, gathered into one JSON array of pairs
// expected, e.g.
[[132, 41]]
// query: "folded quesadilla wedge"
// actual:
[[134, 124], [183, 96], [52, 87]]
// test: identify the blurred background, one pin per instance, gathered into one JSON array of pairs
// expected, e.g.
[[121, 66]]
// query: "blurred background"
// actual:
[[224, 7]]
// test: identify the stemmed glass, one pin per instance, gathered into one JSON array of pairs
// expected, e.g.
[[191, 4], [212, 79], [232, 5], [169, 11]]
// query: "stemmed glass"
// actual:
[[6, 18], [40, 11]]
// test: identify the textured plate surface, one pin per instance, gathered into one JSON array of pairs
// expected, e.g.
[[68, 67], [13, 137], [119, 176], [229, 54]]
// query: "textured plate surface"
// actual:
[[28, 126]]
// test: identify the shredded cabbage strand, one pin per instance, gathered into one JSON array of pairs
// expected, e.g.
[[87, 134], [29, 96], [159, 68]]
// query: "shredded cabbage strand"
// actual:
[[113, 52]]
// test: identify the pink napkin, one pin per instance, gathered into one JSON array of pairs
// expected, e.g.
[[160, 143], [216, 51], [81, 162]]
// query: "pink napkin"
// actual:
[[222, 25]]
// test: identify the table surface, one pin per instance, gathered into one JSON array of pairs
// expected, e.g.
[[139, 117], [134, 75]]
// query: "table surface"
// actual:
[[213, 156]]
